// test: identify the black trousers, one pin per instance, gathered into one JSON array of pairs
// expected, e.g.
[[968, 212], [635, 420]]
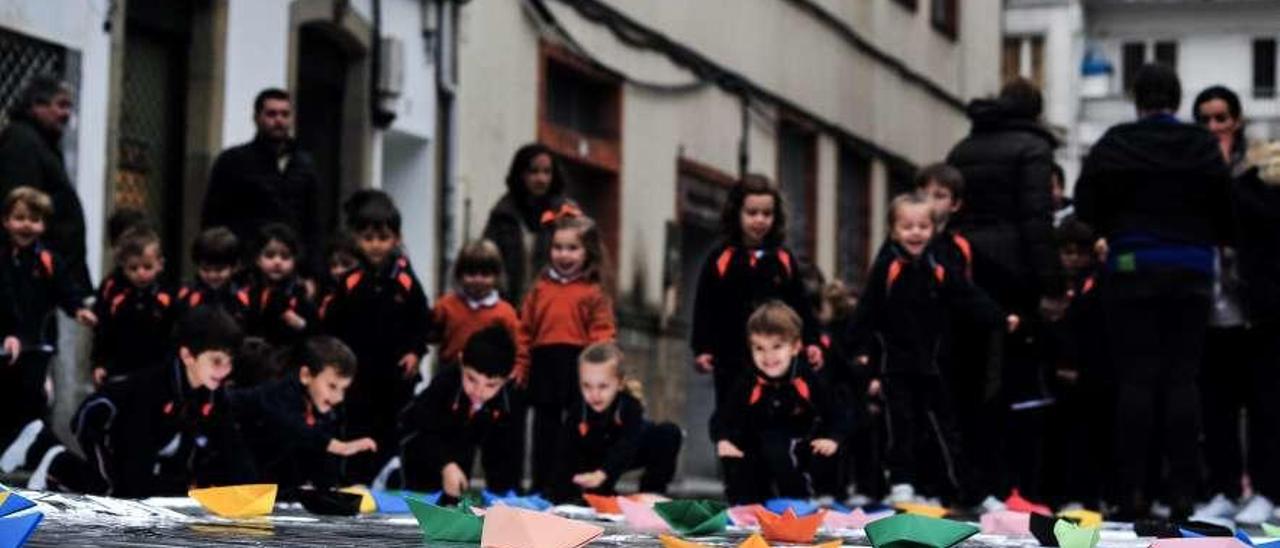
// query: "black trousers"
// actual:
[[502, 458], [1228, 386], [1264, 413], [657, 454], [373, 410], [776, 464], [1156, 326], [553, 381], [922, 422]]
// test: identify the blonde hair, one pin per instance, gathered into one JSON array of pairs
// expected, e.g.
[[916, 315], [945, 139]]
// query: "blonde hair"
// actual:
[[608, 352], [37, 202], [776, 318], [908, 199]]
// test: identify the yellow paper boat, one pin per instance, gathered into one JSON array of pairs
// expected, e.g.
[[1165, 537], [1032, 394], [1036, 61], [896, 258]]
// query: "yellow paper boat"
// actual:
[[237, 501], [367, 504], [923, 510], [1086, 518], [754, 541]]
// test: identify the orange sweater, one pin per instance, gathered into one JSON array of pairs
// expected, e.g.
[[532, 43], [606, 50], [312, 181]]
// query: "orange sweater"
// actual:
[[577, 313], [457, 322]]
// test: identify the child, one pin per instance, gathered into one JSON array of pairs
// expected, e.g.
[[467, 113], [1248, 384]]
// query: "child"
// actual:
[[135, 322], [341, 256], [278, 308], [774, 426], [216, 255], [749, 269], [605, 434], [120, 221], [908, 304], [466, 409], [163, 430], [381, 312], [291, 425], [566, 309], [475, 304]]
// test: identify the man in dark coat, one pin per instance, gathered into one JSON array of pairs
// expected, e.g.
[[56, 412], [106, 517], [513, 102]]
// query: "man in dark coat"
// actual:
[[30, 155], [267, 180]]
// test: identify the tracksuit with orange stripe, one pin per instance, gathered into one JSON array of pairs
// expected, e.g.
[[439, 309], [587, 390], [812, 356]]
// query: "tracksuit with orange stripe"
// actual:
[[134, 327]]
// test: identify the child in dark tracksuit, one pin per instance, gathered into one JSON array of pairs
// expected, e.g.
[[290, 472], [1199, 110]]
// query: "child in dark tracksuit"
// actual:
[[467, 409], [606, 434], [381, 312], [292, 425], [908, 305], [163, 430], [136, 319], [775, 425], [216, 255], [278, 307]]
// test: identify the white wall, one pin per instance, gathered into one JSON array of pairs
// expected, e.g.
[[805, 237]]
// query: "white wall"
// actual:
[[257, 54]]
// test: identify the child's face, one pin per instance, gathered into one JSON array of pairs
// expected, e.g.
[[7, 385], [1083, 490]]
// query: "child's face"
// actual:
[[276, 261], [207, 369], [913, 227], [214, 275], [773, 353], [757, 218], [1075, 258], [478, 284], [943, 202], [326, 389], [143, 269], [599, 383], [478, 387], [377, 245], [567, 253], [24, 226], [537, 177], [340, 264]]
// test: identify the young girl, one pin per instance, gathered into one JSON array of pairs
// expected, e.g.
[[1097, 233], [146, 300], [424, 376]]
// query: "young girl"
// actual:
[[605, 433], [751, 267], [475, 304], [565, 310], [278, 309]]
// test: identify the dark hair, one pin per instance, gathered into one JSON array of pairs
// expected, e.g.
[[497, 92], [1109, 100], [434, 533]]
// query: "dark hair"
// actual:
[[209, 328], [596, 264], [491, 351], [37, 202], [341, 242], [1156, 87], [370, 209], [1233, 108], [945, 175], [40, 90], [478, 257], [731, 215], [322, 352], [134, 243], [776, 318], [277, 232], [267, 94], [121, 220], [520, 163], [216, 246], [1060, 174], [1022, 98], [1073, 231]]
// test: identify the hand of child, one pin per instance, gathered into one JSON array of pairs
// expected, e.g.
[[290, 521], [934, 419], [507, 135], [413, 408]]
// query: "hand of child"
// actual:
[[453, 481], [814, 353], [99, 376], [726, 449], [520, 376], [12, 347], [86, 317], [824, 447], [310, 286], [1100, 249], [1069, 376], [348, 448], [590, 480], [874, 388], [409, 363], [704, 363], [1012, 322], [293, 320], [864, 360]]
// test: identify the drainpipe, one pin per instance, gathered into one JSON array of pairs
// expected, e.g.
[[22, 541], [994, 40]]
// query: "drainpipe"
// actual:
[[744, 143], [446, 134]]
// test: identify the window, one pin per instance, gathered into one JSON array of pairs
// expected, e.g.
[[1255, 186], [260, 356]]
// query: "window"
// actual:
[[1167, 54], [1264, 68], [909, 4], [945, 16], [853, 202], [1023, 57], [1133, 55], [797, 174], [578, 103]]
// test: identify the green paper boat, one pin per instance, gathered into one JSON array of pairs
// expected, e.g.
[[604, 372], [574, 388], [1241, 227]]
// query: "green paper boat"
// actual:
[[446, 524], [1271, 530], [913, 531], [693, 518], [1071, 535]]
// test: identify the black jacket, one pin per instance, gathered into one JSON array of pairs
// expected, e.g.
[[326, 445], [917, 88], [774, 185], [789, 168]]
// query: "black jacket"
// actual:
[[1007, 163], [382, 314], [519, 225], [607, 440], [38, 280], [1258, 216], [441, 421], [197, 294], [30, 157], [287, 436], [134, 329], [264, 303], [127, 424], [800, 404], [247, 190], [1157, 177]]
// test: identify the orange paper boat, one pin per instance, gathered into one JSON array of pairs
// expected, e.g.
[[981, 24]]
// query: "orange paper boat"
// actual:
[[237, 501], [789, 527], [757, 541], [508, 527], [603, 504]]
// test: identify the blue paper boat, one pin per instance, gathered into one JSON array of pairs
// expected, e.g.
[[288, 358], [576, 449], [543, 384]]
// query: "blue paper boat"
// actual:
[[800, 507], [11, 502], [14, 531], [392, 502], [533, 502]]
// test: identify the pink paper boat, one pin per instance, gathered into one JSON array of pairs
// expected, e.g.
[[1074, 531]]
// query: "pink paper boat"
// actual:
[[857, 519], [1006, 522], [745, 516], [641, 517], [1202, 542], [509, 527]]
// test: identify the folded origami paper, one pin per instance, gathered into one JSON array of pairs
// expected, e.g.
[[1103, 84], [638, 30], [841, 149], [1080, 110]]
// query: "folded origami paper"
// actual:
[[1244, 537], [1168, 529], [237, 501], [1270, 530], [392, 502], [915, 531], [789, 527], [1070, 535], [442, 524], [694, 517], [1042, 528], [1085, 518], [15, 530], [799, 506], [330, 503], [923, 510], [1201, 542], [1006, 522], [745, 515], [11, 502], [641, 516], [857, 519], [754, 541], [669, 541], [603, 504], [368, 504], [510, 527], [1016, 503], [533, 502]]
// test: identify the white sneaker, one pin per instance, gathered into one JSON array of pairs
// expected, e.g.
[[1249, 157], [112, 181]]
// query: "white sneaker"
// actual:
[[1256, 511], [857, 501], [1219, 507], [902, 493], [1161, 510], [992, 504], [1071, 507]]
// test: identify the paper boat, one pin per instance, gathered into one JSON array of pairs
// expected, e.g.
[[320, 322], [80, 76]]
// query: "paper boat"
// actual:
[[745, 515], [857, 519], [1202, 542], [237, 501], [1006, 522], [1042, 528], [603, 504], [11, 502], [509, 527], [14, 531], [1168, 529], [330, 503], [1270, 530], [789, 527], [754, 541], [694, 517], [668, 541], [641, 517], [441, 524], [533, 502], [915, 531], [1084, 518], [1070, 535], [1016, 503], [368, 504], [799, 506], [925, 510], [649, 499]]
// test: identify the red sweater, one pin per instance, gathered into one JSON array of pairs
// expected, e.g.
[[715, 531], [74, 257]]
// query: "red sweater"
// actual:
[[576, 312], [457, 322]]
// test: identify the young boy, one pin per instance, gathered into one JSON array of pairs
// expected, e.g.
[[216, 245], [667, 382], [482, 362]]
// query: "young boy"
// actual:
[[291, 425], [120, 221], [162, 430], [216, 255], [779, 421], [467, 409], [381, 312], [475, 304], [134, 322]]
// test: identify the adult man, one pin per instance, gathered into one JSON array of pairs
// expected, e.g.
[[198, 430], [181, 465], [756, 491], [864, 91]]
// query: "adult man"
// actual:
[[30, 155], [265, 180]]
